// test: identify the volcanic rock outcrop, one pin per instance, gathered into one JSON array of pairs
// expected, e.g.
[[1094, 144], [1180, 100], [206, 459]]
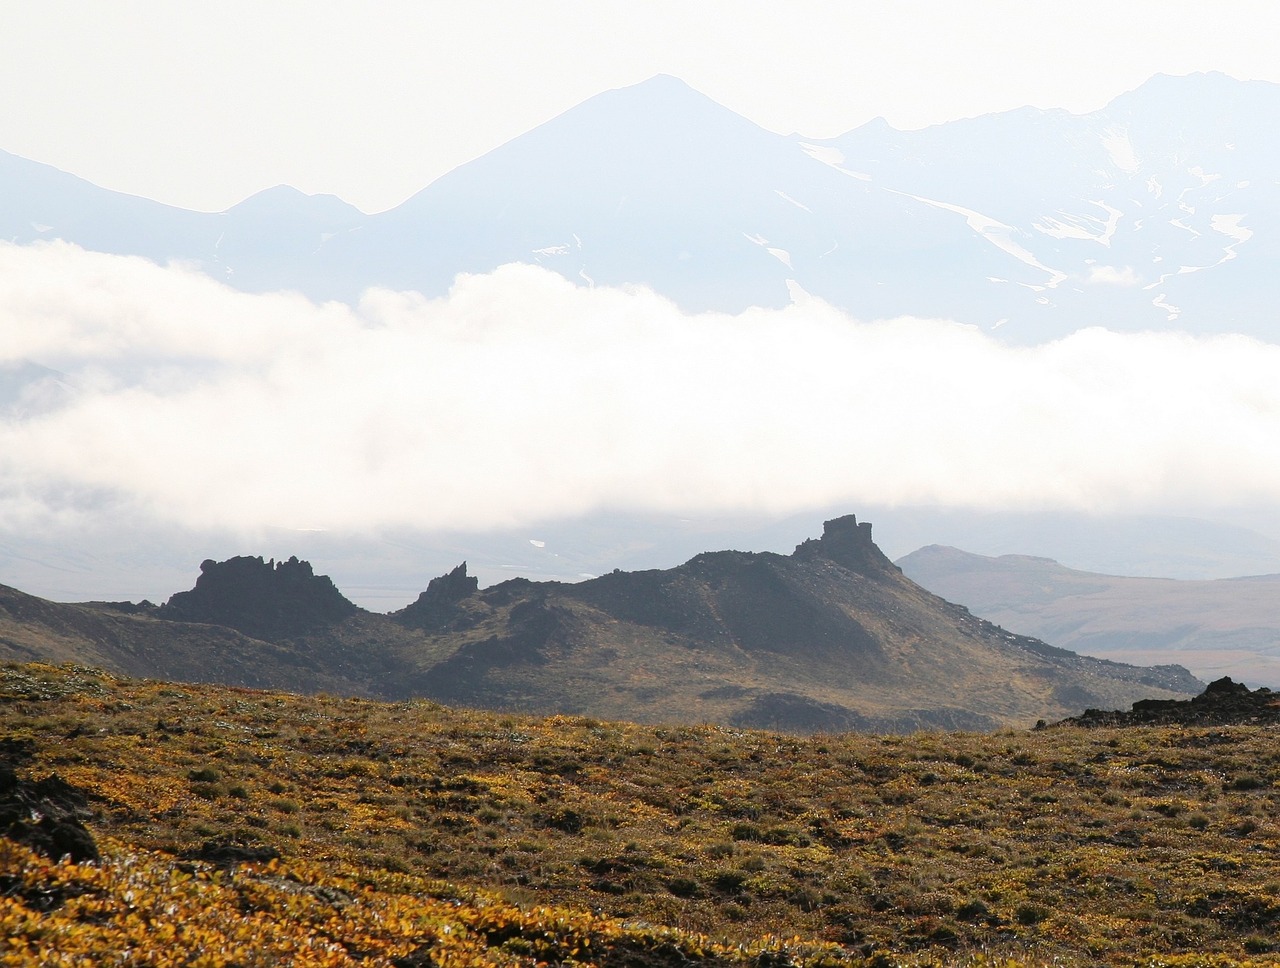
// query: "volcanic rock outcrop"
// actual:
[[263, 599], [1224, 702], [46, 815]]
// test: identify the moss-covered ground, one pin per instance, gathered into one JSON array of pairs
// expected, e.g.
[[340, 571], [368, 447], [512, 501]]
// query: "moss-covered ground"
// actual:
[[411, 834]]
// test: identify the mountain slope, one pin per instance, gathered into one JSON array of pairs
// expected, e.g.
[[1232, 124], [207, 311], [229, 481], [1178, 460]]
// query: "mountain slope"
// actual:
[[654, 184], [266, 242], [1228, 626], [831, 637]]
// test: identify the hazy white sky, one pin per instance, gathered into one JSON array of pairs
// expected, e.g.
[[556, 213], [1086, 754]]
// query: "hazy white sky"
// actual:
[[518, 397], [203, 104]]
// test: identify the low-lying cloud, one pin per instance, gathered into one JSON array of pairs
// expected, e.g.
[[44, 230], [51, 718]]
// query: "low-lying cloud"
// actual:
[[521, 397]]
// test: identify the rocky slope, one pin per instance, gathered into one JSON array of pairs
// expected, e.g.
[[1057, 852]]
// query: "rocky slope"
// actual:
[[831, 637]]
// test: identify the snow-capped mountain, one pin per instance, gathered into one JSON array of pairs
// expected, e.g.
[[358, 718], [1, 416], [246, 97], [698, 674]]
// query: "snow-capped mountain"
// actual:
[[1160, 211]]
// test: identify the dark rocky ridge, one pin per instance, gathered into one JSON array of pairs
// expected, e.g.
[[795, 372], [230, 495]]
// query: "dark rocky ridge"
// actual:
[[262, 599], [438, 605], [1224, 702], [831, 637]]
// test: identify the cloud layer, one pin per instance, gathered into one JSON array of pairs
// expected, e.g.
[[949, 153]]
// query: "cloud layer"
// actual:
[[520, 397]]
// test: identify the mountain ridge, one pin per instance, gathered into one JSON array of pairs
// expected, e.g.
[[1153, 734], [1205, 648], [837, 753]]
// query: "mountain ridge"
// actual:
[[830, 637], [1150, 213]]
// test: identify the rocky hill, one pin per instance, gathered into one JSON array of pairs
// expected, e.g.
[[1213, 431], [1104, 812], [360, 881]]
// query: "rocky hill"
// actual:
[[263, 599], [830, 637]]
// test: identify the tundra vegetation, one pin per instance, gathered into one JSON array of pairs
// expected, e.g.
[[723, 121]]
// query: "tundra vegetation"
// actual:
[[245, 827]]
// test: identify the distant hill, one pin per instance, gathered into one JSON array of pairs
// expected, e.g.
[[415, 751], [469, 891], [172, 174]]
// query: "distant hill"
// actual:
[[1229, 626], [831, 637], [1156, 211]]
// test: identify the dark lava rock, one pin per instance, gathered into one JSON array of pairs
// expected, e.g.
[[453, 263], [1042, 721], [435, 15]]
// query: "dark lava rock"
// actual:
[[797, 714], [800, 714], [264, 599], [419, 957], [1224, 702], [661, 954], [437, 607], [847, 542], [229, 853], [46, 815], [143, 607]]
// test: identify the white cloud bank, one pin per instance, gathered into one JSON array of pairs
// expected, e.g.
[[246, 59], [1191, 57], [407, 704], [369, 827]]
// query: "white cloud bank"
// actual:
[[521, 397]]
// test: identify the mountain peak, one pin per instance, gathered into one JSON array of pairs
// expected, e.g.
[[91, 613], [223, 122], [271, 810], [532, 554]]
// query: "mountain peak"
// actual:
[[659, 79], [438, 605], [665, 85], [285, 200], [846, 541]]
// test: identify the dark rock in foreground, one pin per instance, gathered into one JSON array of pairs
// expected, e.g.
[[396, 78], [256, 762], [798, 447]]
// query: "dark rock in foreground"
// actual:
[[46, 815], [1223, 703]]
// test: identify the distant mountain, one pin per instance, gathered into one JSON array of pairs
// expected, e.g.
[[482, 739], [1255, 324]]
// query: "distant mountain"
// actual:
[[831, 637], [267, 242], [1160, 210], [1229, 626]]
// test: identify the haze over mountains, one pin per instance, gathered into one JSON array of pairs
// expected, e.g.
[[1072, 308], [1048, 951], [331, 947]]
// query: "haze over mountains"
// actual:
[[1230, 626], [1157, 211]]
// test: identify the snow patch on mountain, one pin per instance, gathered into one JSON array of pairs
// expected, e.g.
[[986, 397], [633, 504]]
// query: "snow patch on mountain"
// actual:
[[1114, 276], [832, 157], [1087, 228], [998, 234], [1171, 311], [787, 198], [551, 250], [782, 255], [1229, 225], [1120, 150]]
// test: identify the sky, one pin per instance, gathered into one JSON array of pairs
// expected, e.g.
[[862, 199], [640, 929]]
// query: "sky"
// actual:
[[519, 398], [201, 105]]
